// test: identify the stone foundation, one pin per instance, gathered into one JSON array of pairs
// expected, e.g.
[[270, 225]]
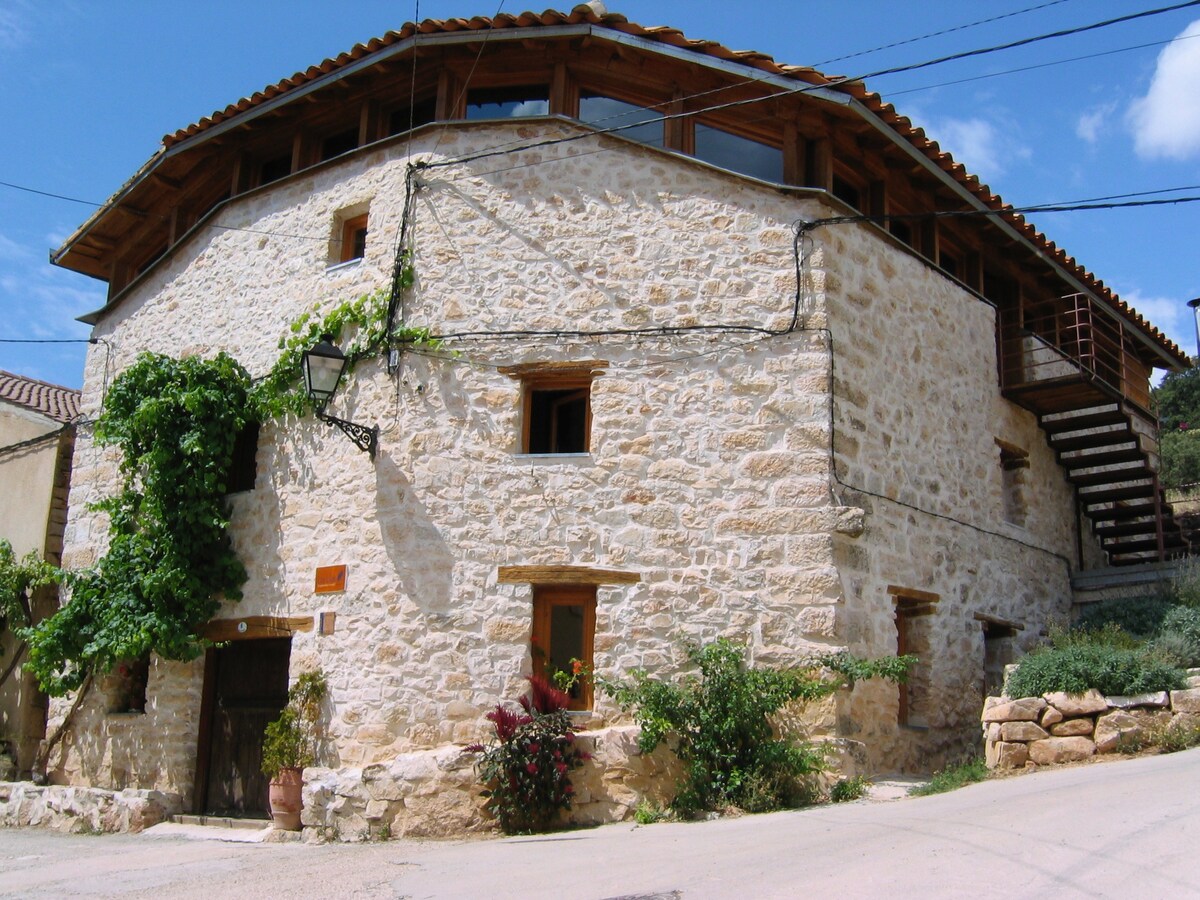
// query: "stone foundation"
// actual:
[[1058, 728], [79, 810], [436, 793]]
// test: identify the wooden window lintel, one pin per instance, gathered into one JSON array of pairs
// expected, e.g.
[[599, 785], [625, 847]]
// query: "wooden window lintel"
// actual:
[[219, 630], [566, 575], [555, 369]]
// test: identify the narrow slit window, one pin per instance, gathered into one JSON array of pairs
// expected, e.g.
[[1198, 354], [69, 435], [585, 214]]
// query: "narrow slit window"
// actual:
[[914, 620], [1014, 463], [243, 466]]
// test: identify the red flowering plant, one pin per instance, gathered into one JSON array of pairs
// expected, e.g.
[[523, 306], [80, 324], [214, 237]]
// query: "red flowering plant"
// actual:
[[525, 769]]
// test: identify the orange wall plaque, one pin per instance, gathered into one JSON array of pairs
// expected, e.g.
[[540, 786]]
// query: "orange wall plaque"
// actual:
[[330, 579]]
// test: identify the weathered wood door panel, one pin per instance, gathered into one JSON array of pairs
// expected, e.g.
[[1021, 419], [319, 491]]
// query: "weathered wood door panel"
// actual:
[[247, 689]]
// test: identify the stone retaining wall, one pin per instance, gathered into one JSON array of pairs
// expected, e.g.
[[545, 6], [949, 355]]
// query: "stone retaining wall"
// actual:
[[1059, 727], [436, 793], [79, 810]]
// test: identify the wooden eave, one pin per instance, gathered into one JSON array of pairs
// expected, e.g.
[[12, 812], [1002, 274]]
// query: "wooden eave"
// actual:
[[89, 249]]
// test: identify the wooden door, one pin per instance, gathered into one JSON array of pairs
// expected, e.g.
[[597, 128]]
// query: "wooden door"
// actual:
[[245, 687]]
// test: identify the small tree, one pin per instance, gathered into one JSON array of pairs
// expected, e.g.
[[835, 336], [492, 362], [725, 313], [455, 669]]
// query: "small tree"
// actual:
[[290, 742], [721, 730]]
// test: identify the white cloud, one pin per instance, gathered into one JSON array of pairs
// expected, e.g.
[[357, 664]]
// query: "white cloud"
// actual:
[[984, 147], [1089, 125], [13, 32], [1171, 316], [1166, 122]]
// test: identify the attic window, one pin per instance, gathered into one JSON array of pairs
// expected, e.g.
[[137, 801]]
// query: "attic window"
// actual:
[[847, 192], [608, 112], [508, 103], [407, 118], [274, 169], [556, 406], [337, 144], [739, 154]]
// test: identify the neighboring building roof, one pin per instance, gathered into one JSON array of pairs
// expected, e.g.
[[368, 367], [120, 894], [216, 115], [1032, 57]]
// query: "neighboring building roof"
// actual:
[[594, 14], [51, 400]]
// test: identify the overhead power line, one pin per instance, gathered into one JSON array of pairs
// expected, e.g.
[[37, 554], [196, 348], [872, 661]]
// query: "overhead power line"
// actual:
[[933, 34]]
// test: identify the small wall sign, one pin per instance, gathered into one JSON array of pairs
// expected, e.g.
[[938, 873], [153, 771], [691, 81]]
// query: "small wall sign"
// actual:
[[330, 579]]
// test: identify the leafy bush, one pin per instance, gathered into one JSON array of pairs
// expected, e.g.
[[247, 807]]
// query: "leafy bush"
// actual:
[[1179, 637], [1172, 738], [648, 813], [952, 778], [721, 731], [1078, 667], [526, 767], [1139, 616], [847, 789]]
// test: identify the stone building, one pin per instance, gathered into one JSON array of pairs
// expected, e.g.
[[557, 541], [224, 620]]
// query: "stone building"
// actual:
[[37, 437], [709, 367]]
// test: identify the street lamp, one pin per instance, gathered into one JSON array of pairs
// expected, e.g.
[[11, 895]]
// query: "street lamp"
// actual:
[[323, 367], [1195, 305]]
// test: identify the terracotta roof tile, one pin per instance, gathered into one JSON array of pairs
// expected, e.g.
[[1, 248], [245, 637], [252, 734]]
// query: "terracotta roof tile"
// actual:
[[52, 400], [585, 14]]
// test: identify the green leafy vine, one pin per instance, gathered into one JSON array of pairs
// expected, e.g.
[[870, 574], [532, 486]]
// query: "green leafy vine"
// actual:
[[169, 559]]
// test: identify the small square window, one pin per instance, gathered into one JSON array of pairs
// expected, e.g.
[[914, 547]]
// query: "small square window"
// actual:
[[337, 144], [558, 417], [354, 239], [274, 169], [564, 630], [556, 405], [127, 685]]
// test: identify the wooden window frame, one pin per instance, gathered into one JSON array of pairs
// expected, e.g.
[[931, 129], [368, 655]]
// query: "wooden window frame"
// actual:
[[351, 229], [547, 597], [554, 376]]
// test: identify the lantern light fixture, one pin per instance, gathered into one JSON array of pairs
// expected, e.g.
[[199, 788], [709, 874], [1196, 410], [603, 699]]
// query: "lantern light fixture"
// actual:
[[323, 367]]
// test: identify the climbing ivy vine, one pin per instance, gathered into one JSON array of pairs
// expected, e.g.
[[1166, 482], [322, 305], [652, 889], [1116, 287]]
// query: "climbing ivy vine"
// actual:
[[169, 560]]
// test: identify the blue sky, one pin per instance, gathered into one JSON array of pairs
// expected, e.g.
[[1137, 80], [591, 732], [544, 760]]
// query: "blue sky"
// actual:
[[90, 88]]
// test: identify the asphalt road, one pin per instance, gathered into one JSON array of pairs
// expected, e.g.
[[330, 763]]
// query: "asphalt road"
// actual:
[[1128, 829]]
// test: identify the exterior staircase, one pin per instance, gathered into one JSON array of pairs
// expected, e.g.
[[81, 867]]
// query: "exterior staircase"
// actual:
[[1077, 368]]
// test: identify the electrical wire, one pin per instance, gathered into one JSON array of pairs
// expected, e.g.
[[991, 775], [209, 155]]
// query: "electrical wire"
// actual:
[[1046, 65], [933, 34]]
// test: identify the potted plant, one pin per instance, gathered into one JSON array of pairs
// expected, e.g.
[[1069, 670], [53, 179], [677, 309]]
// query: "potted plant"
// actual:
[[290, 744]]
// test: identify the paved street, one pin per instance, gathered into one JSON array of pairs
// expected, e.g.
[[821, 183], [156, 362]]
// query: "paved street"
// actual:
[[1121, 829]]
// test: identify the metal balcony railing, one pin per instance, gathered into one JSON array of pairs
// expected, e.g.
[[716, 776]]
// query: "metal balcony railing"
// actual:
[[1071, 339]]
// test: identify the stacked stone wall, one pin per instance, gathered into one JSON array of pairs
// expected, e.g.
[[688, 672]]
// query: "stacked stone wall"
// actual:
[[708, 475], [82, 810], [1059, 727]]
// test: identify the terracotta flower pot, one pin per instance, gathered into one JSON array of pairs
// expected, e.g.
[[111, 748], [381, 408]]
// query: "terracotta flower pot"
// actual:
[[284, 797]]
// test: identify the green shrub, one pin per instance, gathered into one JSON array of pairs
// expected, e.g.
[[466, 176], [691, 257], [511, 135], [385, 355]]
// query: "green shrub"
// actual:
[[1185, 587], [720, 726], [1078, 667], [952, 778], [648, 812], [1179, 637], [848, 789], [1139, 616]]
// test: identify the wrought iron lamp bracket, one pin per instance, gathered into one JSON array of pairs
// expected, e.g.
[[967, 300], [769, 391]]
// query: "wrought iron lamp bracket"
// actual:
[[364, 438]]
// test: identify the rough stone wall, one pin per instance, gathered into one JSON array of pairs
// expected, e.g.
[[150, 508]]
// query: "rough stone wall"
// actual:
[[79, 810], [918, 412], [708, 474]]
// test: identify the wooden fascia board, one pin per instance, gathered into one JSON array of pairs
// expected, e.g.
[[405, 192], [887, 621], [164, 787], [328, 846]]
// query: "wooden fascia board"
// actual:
[[564, 575], [220, 630]]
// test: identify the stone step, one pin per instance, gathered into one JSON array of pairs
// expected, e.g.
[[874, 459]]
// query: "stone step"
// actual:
[[220, 822]]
